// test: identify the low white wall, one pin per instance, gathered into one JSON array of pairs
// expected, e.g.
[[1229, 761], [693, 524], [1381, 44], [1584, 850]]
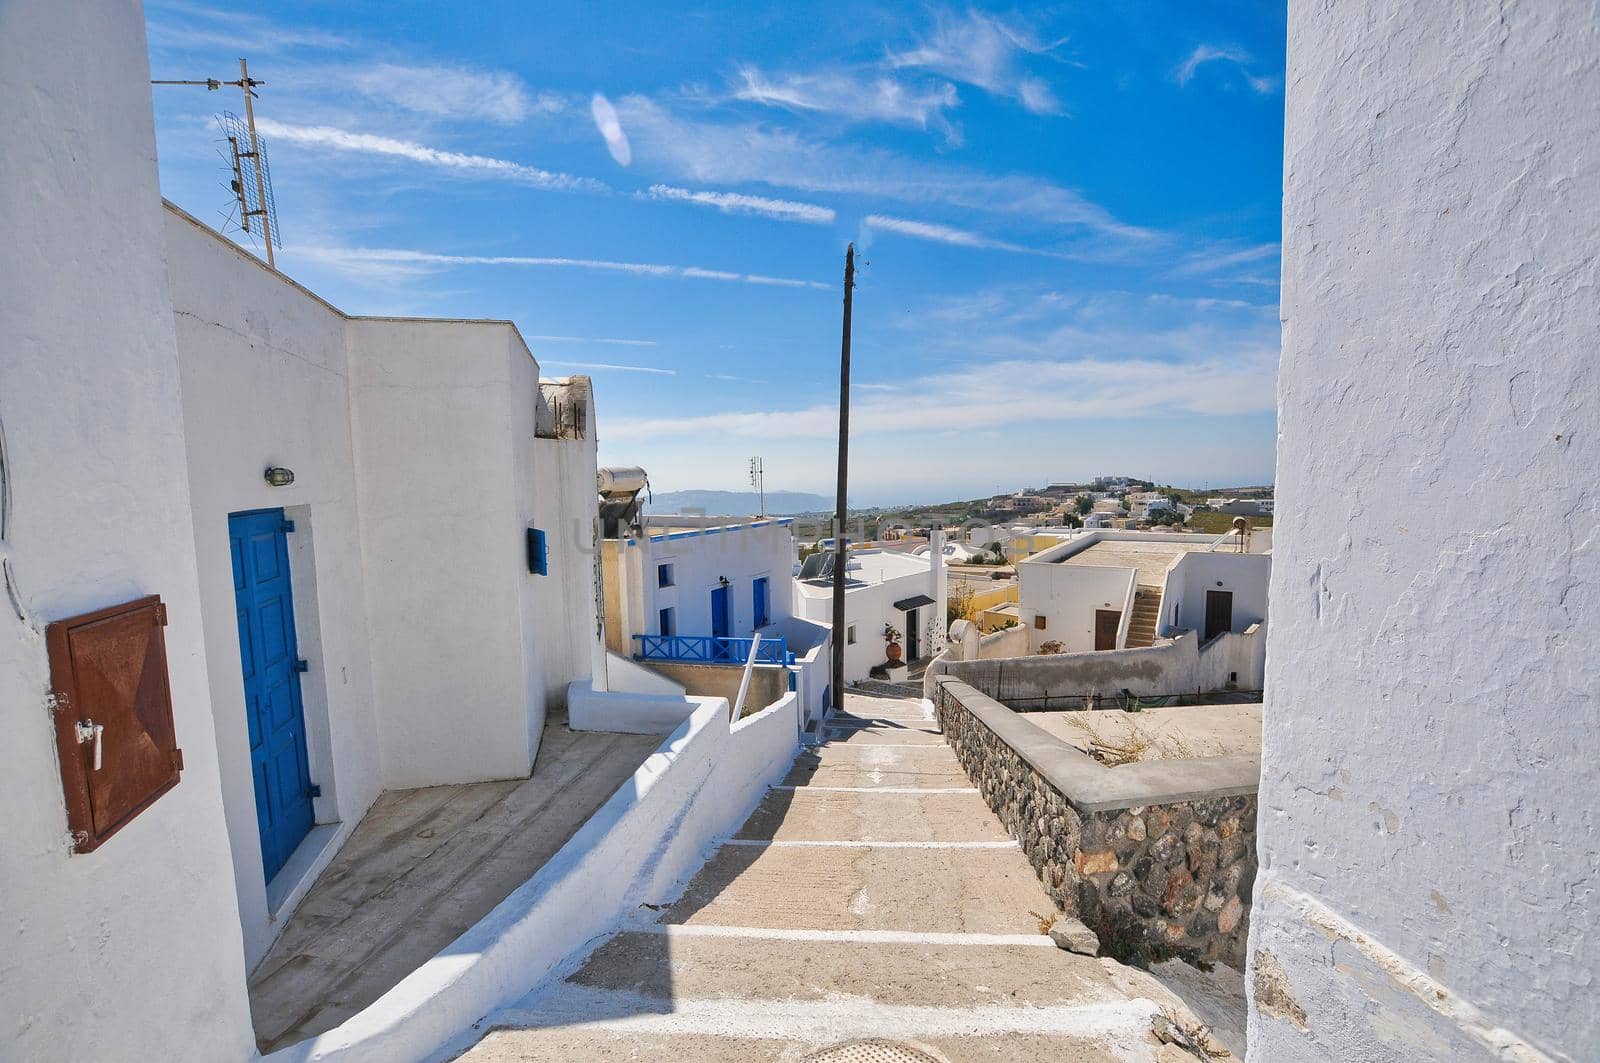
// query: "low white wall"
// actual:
[[641, 846], [1172, 666], [589, 709], [812, 646], [627, 676]]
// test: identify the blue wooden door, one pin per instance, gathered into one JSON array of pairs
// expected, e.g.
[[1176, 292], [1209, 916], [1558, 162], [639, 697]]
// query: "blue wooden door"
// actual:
[[721, 618], [271, 661]]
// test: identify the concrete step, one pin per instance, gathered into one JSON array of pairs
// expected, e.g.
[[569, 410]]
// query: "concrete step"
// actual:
[[985, 973], [883, 733], [846, 764], [990, 891], [569, 1028], [806, 813]]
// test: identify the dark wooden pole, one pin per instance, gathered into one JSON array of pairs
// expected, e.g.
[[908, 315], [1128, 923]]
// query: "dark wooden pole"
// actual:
[[841, 553]]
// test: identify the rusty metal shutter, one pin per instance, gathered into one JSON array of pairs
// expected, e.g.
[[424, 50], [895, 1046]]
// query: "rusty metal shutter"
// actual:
[[113, 716]]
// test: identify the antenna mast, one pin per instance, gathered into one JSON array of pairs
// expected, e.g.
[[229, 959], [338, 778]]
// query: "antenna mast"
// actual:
[[255, 153], [262, 204], [758, 480]]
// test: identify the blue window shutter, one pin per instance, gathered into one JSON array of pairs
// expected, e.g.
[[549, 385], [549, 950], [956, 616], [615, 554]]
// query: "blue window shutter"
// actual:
[[538, 553]]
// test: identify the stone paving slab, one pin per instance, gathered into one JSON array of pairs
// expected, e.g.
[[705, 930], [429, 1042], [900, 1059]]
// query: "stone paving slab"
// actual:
[[990, 891], [605, 1046], [811, 814], [663, 966]]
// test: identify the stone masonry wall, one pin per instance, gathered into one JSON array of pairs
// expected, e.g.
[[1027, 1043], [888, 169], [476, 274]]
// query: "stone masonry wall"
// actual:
[[1153, 881]]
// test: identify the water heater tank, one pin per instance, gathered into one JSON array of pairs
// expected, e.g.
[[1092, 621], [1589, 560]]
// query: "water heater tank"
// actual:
[[620, 480]]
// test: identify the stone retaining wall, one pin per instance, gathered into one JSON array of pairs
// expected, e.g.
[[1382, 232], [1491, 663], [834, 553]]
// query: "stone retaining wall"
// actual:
[[1153, 880]]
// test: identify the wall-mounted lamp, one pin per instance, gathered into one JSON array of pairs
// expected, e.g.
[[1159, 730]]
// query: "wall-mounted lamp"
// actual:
[[1219, 583], [278, 477], [723, 580]]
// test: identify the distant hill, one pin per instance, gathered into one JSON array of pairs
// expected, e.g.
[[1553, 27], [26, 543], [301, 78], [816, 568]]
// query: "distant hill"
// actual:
[[738, 503]]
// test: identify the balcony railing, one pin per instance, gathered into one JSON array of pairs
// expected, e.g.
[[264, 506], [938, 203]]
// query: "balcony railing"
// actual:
[[710, 649]]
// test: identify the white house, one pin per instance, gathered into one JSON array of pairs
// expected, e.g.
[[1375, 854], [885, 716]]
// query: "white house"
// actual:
[[1109, 590], [263, 560], [883, 590]]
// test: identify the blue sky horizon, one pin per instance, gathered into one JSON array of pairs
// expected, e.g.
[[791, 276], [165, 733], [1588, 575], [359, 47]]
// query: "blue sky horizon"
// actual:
[[1068, 219]]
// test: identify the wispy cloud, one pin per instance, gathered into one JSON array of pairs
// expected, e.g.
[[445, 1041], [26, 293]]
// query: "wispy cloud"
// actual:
[[1213, 260], [450, 92], [1230, 55], [987, 52], [605, 120], [737, 153], [616, 368], [483, 166], [987, 396], [595, 339], [945, 234], [174, 24], [739, 203], [383, 261], [853, 95]]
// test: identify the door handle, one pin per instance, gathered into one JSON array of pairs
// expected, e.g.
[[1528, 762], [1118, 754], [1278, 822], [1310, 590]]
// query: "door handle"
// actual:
[[89, 731]]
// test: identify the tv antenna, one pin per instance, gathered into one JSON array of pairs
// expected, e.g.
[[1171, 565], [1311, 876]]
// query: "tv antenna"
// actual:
[[758, 480], [251, 182]]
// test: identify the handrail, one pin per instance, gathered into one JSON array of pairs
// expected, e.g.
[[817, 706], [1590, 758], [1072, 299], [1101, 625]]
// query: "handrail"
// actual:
[[1219, 539], [744, 683], [712, 649]]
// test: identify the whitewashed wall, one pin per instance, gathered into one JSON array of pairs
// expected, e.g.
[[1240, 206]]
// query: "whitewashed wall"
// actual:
[[1429, 857], [869, 609], [1067, 596], [565, 610], [132, 951], [740, 552], [435, 423], [265, 382], [1183, 594]]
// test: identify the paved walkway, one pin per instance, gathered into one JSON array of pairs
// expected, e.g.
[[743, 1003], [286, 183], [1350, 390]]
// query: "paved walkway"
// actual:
[[421, 867], [871, 895]]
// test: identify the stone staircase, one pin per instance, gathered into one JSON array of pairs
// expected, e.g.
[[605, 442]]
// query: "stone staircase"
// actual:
[[1146, 615]]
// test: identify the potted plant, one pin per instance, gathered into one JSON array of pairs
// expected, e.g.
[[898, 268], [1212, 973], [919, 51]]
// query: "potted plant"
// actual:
[[891, 635]]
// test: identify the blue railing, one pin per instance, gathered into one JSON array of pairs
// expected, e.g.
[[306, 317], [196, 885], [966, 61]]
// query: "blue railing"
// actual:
[[710, 649]]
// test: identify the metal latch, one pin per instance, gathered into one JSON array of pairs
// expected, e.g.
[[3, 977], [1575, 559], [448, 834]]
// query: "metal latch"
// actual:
[[89, 731]]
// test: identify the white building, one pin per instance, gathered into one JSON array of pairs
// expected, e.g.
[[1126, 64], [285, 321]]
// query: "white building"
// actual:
[[1428, 749], [1109, 590], [883, 590], [403, 613]]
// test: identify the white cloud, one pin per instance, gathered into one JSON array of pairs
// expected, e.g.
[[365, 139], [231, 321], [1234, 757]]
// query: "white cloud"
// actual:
[[370, 261], [605, 120], [1006, 394], [608, 365], [850, 95], [986, 52], [716, 153], [448, 92], [173, 24], [1212, 260], [456, 162], [595, 339], [738, 203], [944, 234], [1238, 57]]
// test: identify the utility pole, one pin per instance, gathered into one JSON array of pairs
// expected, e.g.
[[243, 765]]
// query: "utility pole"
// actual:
[[841, 553]]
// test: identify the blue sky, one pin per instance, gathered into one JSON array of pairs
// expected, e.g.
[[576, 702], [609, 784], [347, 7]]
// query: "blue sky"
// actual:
[[1069, 217]]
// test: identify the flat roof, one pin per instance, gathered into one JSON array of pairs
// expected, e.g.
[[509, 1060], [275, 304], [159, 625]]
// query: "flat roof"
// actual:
[[1149, 558]]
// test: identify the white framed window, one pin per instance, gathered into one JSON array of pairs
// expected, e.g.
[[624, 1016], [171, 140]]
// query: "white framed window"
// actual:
[[665, 576], [850, 635]]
